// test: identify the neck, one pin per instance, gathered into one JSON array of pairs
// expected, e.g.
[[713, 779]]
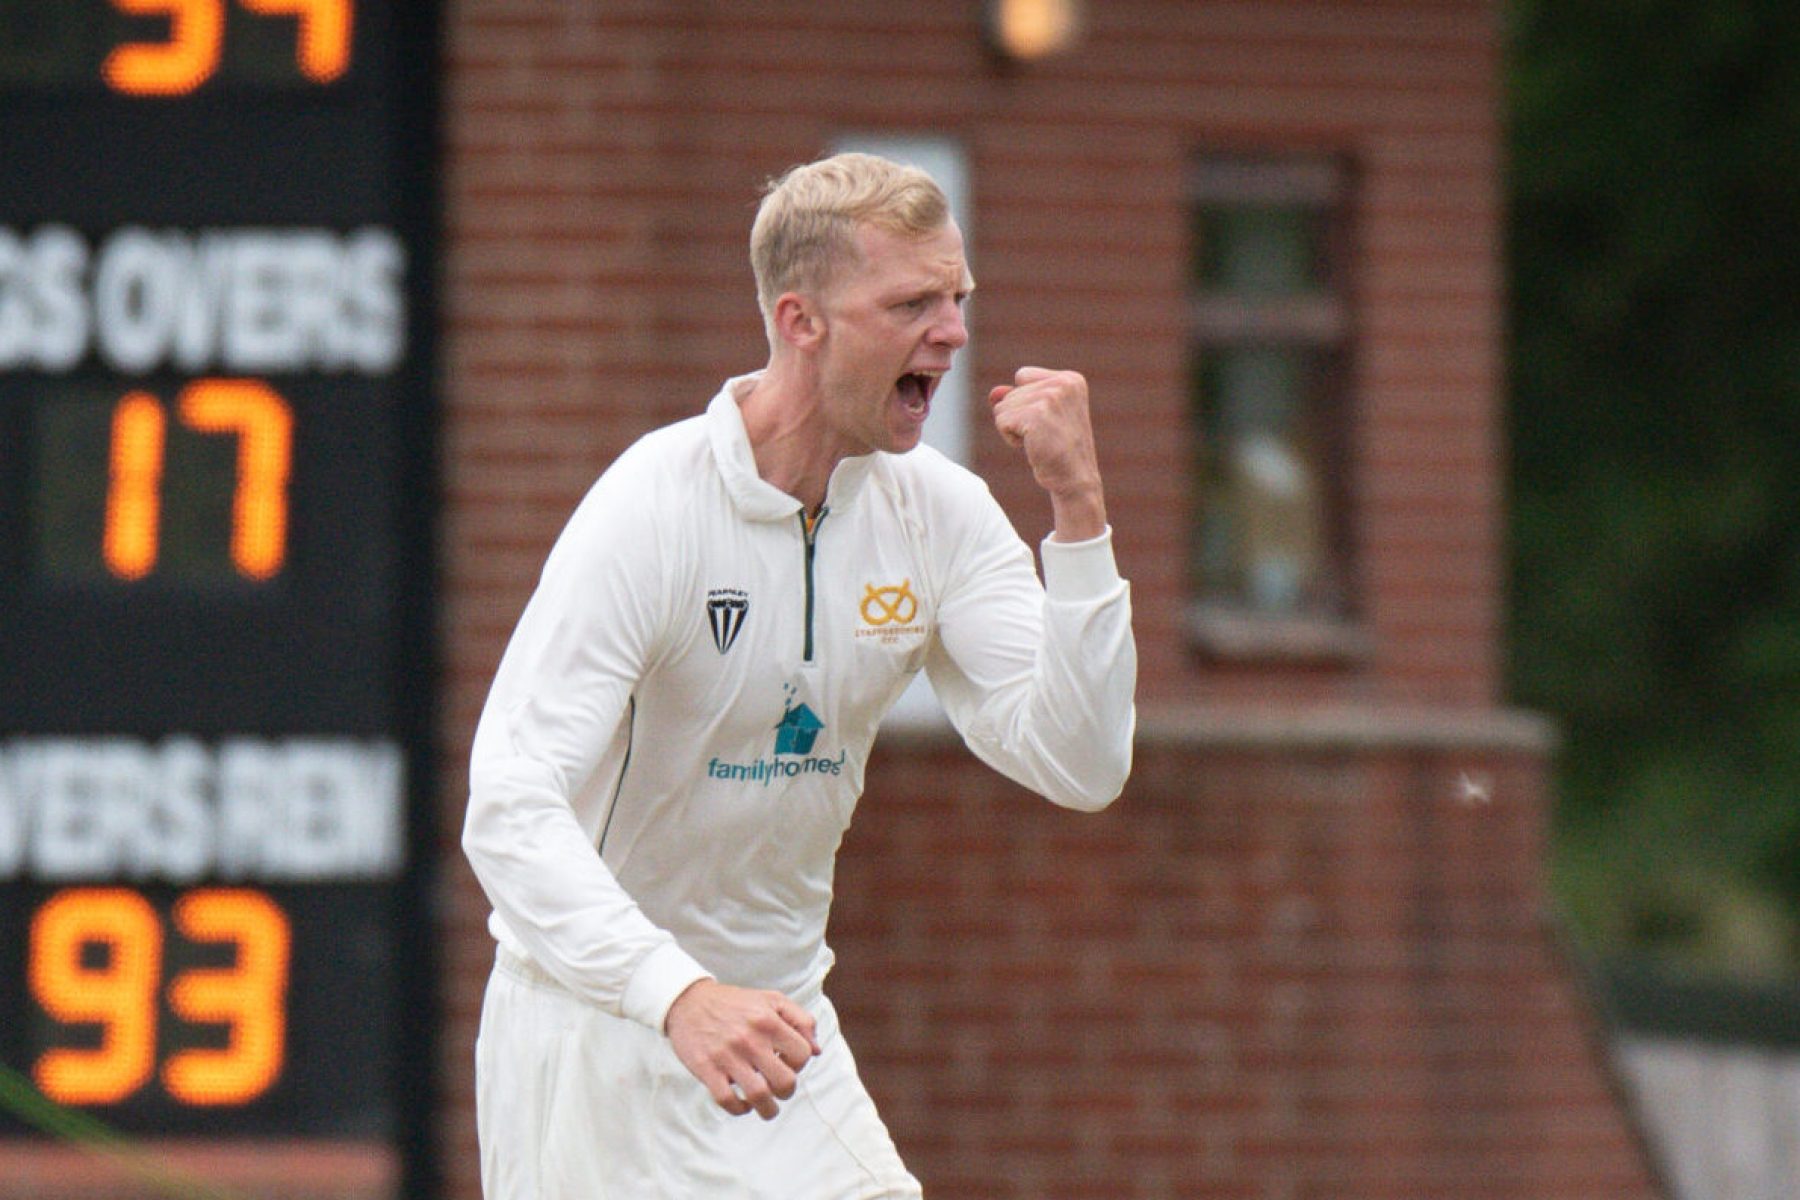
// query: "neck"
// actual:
[[793, 450]]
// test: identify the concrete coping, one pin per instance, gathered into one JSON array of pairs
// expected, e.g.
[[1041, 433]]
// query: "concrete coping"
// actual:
[[1311, 728], [1342, 727]]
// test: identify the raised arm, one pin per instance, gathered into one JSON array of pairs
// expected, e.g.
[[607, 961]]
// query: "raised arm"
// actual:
[[1040, 677]]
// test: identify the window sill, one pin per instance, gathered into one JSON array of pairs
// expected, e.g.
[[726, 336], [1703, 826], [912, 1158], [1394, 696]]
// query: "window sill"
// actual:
[[1241, 636]]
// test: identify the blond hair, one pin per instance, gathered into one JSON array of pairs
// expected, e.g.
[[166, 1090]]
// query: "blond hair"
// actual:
[[806, 226]]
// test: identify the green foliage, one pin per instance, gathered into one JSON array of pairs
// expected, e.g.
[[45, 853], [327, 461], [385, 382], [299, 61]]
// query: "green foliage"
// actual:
[[1655, 425]]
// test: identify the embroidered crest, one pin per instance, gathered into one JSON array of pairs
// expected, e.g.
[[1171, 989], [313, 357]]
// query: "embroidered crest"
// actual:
[[726, 611]]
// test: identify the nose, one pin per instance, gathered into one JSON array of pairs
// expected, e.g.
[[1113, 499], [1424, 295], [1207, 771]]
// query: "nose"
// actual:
[[950, 329]]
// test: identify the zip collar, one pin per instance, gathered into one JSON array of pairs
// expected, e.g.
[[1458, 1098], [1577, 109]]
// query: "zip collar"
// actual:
[[755, 497]]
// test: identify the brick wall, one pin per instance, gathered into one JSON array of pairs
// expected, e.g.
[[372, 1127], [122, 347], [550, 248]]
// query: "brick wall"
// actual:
[[1294, 963], [602, 163], [1289, 963]]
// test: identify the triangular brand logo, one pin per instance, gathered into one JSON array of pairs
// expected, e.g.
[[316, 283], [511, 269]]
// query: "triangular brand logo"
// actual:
[[726, 609]]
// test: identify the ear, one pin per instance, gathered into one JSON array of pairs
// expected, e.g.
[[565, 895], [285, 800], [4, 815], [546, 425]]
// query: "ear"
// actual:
[[798, 321]]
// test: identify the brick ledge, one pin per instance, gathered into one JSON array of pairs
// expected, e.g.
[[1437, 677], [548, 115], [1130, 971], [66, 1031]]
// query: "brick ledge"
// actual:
[[1327, 727], [224, 1168], [1340, 727]]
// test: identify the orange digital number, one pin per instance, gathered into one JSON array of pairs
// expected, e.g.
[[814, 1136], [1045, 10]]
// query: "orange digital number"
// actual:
[[134, 490], [177, 66], [265, 431], [96, 956], [323, 51], [246, 997], [264, 426], [196, 39]]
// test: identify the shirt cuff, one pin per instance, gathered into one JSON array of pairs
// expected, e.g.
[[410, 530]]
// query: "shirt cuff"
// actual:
[[1080, 570], [660, 978]]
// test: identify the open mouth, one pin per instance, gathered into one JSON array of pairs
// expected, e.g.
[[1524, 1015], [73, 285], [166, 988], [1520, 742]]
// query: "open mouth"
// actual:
[[915, 388]]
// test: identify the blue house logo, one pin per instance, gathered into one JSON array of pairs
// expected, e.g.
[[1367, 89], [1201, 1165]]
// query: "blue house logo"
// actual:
[[798, 730], [795, 735]]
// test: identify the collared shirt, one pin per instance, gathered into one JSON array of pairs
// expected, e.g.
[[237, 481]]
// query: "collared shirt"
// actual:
[[676, 736]]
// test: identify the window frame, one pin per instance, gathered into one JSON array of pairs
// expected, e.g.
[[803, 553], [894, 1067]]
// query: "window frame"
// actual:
[[1317, 323]]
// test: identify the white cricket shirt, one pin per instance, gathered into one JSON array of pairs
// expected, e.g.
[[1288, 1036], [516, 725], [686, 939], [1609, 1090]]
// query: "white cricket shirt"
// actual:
[[676, 736]]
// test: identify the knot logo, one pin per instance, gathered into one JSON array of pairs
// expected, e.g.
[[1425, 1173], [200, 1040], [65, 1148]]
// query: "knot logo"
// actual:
[[889, 605], [890, 615]]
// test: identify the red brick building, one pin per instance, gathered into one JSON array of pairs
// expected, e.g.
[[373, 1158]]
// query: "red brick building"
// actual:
[[1308, 953]]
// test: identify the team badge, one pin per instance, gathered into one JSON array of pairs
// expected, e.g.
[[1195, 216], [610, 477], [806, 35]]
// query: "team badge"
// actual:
[[889, 605], [726, 610], [890, 614]]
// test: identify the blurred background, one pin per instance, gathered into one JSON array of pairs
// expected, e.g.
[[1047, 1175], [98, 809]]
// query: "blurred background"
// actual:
[[1446, 381], [1654, 422]]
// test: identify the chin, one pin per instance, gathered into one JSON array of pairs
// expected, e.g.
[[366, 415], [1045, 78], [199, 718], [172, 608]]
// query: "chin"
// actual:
[[901, 443]]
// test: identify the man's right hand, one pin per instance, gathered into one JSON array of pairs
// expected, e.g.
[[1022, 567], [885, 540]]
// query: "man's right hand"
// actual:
[[746, 1046]]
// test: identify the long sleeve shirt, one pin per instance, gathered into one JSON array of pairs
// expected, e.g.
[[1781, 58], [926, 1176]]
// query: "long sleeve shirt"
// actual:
[[675, 739]]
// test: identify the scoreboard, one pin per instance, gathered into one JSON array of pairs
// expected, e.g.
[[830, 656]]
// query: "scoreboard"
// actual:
[[217, 424]]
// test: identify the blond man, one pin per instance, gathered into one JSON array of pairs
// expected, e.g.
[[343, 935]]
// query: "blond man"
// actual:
[[676, 737]]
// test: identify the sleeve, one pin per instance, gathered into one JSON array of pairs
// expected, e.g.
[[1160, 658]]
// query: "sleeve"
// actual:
[[557, 704], [1039, 678]]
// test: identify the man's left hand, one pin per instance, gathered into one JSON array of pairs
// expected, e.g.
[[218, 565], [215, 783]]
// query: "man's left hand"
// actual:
[[1046, 414]]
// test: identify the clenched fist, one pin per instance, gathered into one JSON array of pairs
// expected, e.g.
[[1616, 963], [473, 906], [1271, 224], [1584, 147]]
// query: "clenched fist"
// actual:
[[1045, 413], [746, 1046]]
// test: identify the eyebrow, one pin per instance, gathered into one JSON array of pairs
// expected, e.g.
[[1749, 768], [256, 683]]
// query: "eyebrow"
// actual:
[[932, 287]]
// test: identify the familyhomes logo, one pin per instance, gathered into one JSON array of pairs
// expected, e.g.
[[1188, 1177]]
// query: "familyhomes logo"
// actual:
[[795, 735], [889, 613], [798, 730]]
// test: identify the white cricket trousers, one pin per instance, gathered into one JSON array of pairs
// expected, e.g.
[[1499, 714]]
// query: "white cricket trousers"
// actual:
[[574, 1104]]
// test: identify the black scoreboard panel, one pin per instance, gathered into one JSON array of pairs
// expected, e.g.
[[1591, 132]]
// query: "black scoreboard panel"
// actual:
[[217, 426]]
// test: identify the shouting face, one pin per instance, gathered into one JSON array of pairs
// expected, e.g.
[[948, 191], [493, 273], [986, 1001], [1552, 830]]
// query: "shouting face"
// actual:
[[891, 324]]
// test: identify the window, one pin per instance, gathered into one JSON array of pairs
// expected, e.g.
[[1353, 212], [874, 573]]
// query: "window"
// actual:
[[1269, 339]]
